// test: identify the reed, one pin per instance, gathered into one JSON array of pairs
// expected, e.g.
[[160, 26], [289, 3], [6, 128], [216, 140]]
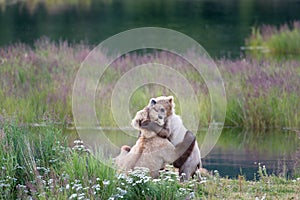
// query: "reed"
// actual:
[[282, 40], [36, 85]]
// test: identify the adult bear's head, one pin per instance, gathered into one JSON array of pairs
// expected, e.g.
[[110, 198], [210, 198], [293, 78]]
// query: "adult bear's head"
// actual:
[[166, 101]]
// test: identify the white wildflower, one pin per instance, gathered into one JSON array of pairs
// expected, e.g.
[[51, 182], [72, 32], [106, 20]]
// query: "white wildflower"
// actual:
[[4, 185], [78, 142], [192, 195], [122, 192], [106, 182], [81, 196], [53, 160], [129, 180], [146, 179], [50, 181], [121, 176], [73, 196], [192, 185]]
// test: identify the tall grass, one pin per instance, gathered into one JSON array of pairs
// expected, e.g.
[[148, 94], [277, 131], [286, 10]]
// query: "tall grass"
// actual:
[[262, 94], [282, 40], [36, 84], [37, 164]]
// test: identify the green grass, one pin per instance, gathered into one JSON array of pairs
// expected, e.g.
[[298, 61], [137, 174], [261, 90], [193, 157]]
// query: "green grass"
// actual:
[[38, 164], [36, 87], [264, 112], [261, 94], [277, 41]]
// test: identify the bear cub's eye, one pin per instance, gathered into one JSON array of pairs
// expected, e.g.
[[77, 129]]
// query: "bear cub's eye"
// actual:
[[162, 110]]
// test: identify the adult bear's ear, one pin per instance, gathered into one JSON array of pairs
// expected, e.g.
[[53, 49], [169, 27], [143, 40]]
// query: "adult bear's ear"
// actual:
[[171, 99], [152, 102]]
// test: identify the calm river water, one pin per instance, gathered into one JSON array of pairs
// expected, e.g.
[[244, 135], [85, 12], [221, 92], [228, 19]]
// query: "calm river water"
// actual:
[[237, 152], [220, 26]]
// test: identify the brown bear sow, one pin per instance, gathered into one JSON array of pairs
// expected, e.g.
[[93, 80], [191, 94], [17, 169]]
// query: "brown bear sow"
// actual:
[[184, 140], [150, 150]]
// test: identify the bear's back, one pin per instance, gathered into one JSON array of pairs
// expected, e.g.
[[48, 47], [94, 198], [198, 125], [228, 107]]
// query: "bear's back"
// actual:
[[156, 153]]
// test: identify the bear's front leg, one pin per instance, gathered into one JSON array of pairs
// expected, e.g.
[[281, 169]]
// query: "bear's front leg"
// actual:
[[153, 126], [139, 117]]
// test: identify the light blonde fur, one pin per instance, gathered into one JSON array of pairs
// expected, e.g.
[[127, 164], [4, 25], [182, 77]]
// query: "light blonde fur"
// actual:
[[150, 150]]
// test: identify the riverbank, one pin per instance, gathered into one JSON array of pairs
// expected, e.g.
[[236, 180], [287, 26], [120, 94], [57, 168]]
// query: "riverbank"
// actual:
[[40, 165]]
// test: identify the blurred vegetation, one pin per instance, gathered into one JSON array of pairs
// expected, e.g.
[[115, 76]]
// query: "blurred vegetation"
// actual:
[[52, 6], [219, 26], [36, 85], [284, 40]]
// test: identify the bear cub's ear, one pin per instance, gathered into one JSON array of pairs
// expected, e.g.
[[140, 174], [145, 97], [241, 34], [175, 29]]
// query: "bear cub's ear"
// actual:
[[152, 102]]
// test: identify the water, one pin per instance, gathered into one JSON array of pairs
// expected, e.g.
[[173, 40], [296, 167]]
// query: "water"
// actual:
[[239, 152], [220, 26], [236, 153]]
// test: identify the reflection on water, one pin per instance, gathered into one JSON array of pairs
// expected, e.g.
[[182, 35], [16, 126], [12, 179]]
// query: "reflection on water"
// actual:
[[236, 152], [239, 152], [221, 26], [51, 6]]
